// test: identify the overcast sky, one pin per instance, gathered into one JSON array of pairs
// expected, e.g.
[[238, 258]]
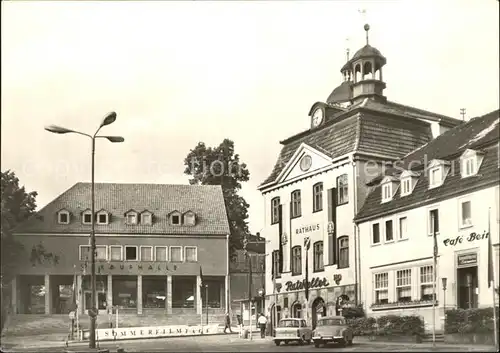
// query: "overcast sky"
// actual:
[[182, 72]]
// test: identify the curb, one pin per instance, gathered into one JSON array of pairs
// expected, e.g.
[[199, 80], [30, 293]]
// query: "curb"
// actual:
[[422, 344]]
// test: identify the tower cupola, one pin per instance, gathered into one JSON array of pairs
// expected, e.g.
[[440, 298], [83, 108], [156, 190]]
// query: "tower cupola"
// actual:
[[365, 68]]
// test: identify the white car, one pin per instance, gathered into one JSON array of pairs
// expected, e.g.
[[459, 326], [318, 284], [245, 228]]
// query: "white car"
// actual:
[[292, 329]]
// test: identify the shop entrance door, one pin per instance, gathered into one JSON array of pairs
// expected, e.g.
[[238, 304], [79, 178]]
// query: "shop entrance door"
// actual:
[[100, 303], [467, 281]]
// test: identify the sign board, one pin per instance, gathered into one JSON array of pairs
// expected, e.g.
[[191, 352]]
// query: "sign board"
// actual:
[[307, 242], [155, 332], [310, 228], [467, 260]]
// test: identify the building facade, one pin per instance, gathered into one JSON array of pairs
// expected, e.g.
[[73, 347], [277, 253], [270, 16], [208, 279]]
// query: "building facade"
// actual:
[[154, 242], [319, 182], [447, 189]]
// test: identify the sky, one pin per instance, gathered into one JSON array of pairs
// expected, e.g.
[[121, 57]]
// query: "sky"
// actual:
[[178, 73]]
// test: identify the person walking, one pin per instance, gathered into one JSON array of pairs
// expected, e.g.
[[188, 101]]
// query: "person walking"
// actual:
[[227, 324], [262, 324], [240, 325]]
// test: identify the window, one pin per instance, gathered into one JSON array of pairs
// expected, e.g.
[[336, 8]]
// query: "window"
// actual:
[[343, 252], [160, 253], [342, 190], [468, 166], [389, 231], [115, 253], [131, 253], [297, 310], [403, 285], [146, 253], [87, 217], [176, 253], [153, 292], [318, 256], [375, 233], [275, 210], [125, 291], [63, 217], [176, 219], [189, 219], [387, 192], [382, 288], [214, 289], [131, 218], [190, 254], [183, 291], [102, 218], [100, 253], [426, 282], [435, 177], [85, 253], [403, 231], [434, 221], [276, 264], [146, 218], [405, 186], [465, 214], [296, 210], [296, 260], [318, 197]]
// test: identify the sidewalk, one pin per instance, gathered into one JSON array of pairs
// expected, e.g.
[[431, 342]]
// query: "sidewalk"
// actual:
[[426, 345], [59, 340]]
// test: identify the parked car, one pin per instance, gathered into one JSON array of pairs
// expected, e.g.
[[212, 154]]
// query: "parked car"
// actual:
[[332, 329], [292, 329]]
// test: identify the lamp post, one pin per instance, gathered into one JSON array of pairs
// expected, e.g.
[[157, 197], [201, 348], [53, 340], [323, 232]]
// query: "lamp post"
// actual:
[[445, 280], [108, 119]]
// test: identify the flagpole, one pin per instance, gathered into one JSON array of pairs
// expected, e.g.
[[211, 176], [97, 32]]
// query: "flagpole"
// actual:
[[491, 280], [435, 253], [200, 286]]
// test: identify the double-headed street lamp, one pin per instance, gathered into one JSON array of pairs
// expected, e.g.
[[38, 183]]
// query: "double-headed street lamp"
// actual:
[[109, 119]]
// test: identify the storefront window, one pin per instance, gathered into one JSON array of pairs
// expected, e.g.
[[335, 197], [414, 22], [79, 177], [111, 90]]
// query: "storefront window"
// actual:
[[37, 299], [183, 290], [153, 292], [214, 294], [125, 291]]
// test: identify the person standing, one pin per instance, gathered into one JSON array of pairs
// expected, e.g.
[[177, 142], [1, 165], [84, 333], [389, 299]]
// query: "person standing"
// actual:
[[262, 324], [240, 325], [227, 324]]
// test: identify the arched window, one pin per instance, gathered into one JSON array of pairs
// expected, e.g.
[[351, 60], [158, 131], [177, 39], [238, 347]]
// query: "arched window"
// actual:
[[343, 251], [318, 256], [367, 71], [297, 310], [296, 260]]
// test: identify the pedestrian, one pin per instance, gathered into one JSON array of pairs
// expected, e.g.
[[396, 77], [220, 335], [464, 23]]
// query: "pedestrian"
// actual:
[[240, 325], [262, 324], [227, 324]]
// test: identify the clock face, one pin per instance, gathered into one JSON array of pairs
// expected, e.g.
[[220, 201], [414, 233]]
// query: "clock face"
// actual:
[[305, 163], [317, 117]]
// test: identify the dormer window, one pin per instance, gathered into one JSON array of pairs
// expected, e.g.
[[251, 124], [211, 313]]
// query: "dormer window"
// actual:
[[131, 218], [389, 184], [146, 218], [175, 218], [408, 181], [437, 173], [470, 162], [189, 218], [102, 217], [63, 217], [87, 217]]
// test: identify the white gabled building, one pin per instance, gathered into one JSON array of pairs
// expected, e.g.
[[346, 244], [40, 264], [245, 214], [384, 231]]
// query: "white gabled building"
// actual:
[[319, 183], [450, 187]]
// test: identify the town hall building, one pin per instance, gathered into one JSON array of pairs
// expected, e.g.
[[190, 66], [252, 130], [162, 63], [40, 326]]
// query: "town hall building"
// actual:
[[318, 185]]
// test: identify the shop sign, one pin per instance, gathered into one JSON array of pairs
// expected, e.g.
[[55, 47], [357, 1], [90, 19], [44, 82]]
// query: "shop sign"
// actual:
[[156, 331], [316, 282], [467, 259], [149, 267], [470, 238], [310, 228]]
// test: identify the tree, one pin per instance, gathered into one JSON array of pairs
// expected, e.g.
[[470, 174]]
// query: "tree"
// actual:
[[221, 166]]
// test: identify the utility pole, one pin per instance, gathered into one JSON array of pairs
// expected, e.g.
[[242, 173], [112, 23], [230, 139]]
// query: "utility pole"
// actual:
[[462, 112]]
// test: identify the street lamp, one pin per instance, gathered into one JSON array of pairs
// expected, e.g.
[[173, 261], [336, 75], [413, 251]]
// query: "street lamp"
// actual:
[[108, 119], [445, 280]]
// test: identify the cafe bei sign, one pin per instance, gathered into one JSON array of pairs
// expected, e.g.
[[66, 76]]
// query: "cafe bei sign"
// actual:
[[316, 282], [308, 229], [470, 238]]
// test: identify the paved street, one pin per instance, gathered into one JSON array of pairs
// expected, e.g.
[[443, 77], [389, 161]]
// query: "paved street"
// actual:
[[231, 343]]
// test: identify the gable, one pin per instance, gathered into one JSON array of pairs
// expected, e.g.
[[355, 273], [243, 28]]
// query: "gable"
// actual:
[[305, 161]]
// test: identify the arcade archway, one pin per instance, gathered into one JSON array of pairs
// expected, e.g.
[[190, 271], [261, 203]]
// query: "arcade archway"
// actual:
[[318, 310], [275, 315], [297, 310]]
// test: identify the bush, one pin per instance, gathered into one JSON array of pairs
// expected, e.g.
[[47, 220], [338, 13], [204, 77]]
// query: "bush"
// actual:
[[470, 320], [387, 325], [353, 312]]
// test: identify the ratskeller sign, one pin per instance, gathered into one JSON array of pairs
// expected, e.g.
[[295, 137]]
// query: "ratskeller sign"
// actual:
[[316, 282]]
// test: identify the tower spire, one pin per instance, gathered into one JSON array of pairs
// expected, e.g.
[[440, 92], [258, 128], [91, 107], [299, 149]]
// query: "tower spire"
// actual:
[[367, 28]]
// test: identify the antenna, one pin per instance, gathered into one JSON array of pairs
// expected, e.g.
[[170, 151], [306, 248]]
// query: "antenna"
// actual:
[[462, 112], [367, 27], [347, 48]]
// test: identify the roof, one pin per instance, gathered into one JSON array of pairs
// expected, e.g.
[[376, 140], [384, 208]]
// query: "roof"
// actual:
[[389, 129], [366, 52], [481, 133], [342, 93], [206, 201]]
